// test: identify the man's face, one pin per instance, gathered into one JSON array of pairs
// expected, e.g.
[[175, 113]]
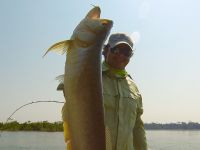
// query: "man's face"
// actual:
[[119, 56]]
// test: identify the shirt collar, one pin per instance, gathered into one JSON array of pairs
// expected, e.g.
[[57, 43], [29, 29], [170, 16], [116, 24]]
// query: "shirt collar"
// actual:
[[119, 73]]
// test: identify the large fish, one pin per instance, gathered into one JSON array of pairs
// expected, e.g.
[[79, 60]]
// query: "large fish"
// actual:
[[83, 81]]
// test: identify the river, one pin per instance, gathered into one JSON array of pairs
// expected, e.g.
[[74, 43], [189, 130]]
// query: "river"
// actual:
[[157, 140]]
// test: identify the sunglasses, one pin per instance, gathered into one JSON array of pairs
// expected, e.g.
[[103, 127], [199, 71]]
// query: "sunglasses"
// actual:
[[124, 51]]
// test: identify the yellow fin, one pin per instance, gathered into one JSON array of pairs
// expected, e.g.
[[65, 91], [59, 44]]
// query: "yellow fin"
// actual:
[[60, 47]]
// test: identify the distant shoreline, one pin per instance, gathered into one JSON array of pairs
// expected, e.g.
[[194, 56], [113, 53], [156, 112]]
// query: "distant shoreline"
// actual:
[[32, 126], [58, 126], [173, 126]]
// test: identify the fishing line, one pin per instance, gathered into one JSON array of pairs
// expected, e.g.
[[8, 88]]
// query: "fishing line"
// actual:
[[33, 102]]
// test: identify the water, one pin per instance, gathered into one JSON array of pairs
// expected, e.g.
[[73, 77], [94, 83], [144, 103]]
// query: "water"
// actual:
[[157, 140], [32, 141], [173, 140]]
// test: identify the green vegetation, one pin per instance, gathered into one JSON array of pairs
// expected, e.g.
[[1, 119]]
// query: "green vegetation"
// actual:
[[32, 126], [58, 126]]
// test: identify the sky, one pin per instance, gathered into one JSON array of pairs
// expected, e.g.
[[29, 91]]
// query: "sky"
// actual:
[[165, 66]]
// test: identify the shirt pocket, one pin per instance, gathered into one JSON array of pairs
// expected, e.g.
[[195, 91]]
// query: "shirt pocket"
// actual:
[[129, 109], [110, 95], [110, 100]]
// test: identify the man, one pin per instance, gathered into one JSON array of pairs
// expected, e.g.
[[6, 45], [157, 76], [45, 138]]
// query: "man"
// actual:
[[122, 100]]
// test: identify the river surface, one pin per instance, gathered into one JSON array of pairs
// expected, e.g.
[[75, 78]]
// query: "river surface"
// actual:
[[157, 140]]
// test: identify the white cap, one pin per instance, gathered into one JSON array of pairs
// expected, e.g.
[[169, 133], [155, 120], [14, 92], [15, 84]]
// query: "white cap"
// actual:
[[119, 38]]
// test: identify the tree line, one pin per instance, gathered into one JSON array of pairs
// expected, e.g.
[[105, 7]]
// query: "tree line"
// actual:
[[173, 126], [32, 126], [58, 126]]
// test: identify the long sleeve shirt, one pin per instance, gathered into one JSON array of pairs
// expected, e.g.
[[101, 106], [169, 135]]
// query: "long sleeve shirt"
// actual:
[[123, 110]]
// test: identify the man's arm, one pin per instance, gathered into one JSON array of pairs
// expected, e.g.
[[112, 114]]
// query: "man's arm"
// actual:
[[139, 136]]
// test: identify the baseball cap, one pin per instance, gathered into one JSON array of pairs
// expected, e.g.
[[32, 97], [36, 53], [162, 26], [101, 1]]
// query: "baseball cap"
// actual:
[[120, 38]]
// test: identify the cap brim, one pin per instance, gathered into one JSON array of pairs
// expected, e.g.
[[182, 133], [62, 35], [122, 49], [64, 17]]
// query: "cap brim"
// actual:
[[121, 42]]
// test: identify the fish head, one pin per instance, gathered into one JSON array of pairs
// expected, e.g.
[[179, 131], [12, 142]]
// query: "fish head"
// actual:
[[92, 29]]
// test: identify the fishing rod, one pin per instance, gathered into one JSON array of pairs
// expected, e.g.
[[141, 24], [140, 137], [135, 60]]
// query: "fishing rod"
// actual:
[[33, 102]]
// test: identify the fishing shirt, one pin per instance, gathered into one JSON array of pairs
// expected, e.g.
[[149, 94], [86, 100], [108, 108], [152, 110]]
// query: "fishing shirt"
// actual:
[[123, 110]]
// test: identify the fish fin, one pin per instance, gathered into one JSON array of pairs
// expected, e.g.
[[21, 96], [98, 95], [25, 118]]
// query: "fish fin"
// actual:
[[94, 13], [60, 78], [60, 47]]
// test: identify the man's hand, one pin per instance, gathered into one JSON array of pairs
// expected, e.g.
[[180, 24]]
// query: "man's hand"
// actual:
[[67, 136]]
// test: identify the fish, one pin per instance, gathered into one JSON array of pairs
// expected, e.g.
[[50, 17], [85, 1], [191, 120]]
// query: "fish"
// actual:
[[83, 81]]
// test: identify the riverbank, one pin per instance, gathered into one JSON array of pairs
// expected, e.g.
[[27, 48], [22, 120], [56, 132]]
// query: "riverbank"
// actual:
[[58, 126], [32, 126]]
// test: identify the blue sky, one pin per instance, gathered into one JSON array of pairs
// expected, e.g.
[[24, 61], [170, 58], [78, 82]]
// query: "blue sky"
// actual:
[[165, 66]]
